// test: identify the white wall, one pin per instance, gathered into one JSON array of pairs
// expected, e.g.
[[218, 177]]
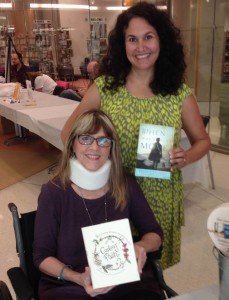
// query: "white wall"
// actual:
[[203, 46], [79, 19]]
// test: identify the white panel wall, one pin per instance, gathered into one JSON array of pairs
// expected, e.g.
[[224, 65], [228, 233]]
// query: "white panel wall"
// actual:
[[79, 19]]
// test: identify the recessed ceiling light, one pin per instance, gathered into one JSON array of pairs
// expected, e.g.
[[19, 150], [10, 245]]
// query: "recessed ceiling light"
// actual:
[[62, 6], [6, 5]]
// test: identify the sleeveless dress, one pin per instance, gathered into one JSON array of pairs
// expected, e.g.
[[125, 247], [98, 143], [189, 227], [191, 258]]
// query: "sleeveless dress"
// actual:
[[165, 197]]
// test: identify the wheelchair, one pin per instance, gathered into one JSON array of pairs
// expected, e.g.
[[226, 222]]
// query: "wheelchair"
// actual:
[[25, 278]]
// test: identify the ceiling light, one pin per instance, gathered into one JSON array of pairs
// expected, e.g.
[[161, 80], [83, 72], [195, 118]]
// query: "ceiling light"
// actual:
[[5, 5], [117, 7], [162, 7], [62, 6]]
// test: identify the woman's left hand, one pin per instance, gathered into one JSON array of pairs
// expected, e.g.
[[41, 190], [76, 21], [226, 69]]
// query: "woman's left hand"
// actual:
[[178, 158], [86, 283], [141, 257]]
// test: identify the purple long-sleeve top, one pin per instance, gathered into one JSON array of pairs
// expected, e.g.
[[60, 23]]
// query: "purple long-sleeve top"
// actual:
[[61, 214]]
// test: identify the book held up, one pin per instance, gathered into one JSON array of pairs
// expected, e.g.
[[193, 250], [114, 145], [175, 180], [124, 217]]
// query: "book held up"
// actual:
[[154, 144], [110, 253]]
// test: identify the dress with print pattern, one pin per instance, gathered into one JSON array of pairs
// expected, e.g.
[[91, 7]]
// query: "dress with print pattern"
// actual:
[[165, 197]]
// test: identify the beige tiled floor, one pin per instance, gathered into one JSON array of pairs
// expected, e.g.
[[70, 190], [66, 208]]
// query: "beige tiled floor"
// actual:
[[198, 267]]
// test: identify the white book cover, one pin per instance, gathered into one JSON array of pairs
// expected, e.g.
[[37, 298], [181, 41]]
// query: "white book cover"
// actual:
[[110, 253]]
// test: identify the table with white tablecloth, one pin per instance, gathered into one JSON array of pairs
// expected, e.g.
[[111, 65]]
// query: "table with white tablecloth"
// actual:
[[43, 106], [47, 114]]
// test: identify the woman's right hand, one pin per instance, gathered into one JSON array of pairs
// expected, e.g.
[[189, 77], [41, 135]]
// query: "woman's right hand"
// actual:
[[87, 284]]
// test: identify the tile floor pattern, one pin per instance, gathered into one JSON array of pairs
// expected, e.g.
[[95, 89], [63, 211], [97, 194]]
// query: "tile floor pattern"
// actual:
[[198, 267]]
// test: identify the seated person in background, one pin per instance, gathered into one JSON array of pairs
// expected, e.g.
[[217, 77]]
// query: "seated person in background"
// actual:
[[93, 70], [93, 73], [18, 69], [44, 83], [83, 67], [90, 188]]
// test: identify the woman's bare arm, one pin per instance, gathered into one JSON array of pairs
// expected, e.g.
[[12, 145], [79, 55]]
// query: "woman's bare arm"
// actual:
[[150, 242], [53, 267], [196, 133], [90, 100]]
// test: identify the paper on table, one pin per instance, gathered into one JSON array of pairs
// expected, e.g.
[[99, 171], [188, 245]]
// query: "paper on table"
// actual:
[[110, 253]]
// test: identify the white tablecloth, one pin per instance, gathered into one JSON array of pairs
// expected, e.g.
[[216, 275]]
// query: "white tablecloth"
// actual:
[[53, 110], [50, 130], [197, 171]]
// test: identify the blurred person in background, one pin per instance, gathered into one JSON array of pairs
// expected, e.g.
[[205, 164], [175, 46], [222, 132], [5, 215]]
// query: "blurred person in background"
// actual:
[[18, 69], [44, 83]]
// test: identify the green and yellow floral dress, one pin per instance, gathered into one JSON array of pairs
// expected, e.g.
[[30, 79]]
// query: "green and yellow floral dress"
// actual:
[[165, 197]]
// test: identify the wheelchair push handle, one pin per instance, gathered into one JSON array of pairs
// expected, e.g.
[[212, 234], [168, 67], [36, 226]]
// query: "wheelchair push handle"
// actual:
[[12, 207]]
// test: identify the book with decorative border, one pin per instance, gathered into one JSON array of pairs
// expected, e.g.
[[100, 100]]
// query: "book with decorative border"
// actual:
[[154, 144], [110, 253]]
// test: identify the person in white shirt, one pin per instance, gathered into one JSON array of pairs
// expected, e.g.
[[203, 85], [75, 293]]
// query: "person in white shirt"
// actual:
[[44, 83]]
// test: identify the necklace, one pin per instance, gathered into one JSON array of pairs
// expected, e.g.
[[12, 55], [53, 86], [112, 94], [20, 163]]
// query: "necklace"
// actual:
[[88, 213]]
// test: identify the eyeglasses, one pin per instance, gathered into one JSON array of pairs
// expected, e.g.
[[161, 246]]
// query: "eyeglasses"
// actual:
[[102, 141]]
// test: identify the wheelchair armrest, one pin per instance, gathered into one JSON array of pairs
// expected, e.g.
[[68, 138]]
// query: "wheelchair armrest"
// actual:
[[20, 284], [157, 269], [156, 255]]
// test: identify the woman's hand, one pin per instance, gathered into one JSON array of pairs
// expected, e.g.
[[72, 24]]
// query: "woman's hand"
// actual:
[[149, 242], [178, 158], [85, 279], [141, 257]]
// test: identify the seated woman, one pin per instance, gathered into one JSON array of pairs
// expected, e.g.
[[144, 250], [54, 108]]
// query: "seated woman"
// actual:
[[90, 188], [44, 83]]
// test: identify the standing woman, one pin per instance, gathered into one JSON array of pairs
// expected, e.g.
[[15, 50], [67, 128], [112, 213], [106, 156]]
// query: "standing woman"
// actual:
[[143, 81]]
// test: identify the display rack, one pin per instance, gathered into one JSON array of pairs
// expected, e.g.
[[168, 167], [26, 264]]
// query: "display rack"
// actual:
[[5, 32], [64, 54], [52, 48], [44, 45], [225, 71], [26, 46], [2, 50], [97, 43]]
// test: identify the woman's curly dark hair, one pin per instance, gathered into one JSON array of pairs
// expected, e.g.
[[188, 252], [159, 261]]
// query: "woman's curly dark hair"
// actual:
[[170, 65]]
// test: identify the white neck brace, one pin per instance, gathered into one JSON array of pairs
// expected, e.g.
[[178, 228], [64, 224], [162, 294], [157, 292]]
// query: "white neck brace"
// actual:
[[89, 180]]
